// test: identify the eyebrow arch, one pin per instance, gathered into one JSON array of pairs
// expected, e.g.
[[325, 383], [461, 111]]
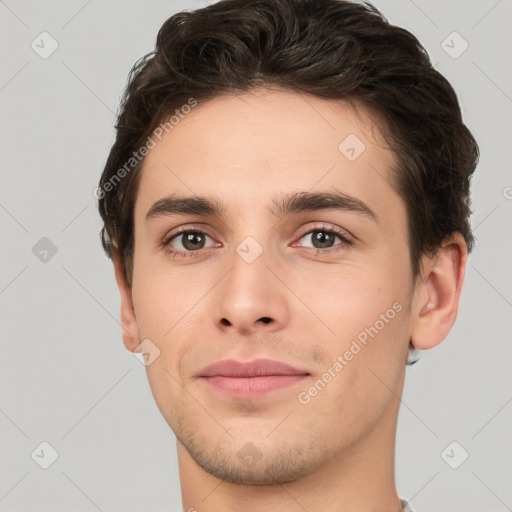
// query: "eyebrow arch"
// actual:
[[295, 202]]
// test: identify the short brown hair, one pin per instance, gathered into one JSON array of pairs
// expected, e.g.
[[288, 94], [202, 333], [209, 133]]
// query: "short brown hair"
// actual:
[[332, 49]]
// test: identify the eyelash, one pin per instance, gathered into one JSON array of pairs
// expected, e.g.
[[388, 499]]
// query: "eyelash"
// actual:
[[345, 242]]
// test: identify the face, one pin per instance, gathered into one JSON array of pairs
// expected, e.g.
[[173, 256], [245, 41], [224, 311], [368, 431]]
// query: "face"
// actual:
[[324, 287]]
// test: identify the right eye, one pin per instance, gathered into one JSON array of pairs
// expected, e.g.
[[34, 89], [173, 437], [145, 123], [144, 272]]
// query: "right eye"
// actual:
[[192, 241]]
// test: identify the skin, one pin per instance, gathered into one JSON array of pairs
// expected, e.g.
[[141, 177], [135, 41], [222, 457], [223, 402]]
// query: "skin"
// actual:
[[337, 451]]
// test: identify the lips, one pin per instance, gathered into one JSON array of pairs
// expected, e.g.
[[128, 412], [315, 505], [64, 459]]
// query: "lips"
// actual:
[[256, 368], [253, 379]]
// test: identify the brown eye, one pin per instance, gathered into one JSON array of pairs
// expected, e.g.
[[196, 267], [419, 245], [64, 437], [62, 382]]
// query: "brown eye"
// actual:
[[191, 241], [323, 239]]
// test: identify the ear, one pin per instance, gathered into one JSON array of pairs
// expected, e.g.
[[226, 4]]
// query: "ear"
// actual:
[[128, 321], [437, 293]]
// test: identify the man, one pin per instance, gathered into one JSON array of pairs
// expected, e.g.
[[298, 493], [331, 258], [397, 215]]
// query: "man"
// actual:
[[287, 210]]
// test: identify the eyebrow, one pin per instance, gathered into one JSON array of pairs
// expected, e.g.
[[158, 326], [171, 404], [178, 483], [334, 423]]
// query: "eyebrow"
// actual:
[[295, 202]]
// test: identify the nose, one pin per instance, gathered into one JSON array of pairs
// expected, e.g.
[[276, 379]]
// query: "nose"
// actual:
[[251, 298]]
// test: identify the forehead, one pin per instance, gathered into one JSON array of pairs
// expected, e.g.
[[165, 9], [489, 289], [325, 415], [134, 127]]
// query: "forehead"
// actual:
[[250, 147]]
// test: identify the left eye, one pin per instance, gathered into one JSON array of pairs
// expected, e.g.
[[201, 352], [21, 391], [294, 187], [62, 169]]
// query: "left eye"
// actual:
[[322, 238]]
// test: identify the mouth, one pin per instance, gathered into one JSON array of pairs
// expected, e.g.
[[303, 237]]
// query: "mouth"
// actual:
[[251, 379]]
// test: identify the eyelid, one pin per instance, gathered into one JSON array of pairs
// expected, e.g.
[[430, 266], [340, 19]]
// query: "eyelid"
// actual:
[[202, 228], [322, 226], [347, 239], [185, 229]]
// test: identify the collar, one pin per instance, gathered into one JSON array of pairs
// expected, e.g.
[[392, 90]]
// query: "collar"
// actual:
[[406, 506]]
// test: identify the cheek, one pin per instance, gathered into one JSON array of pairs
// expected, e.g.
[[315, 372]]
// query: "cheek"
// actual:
[[347, 299], [365, 316], [161, 297], [373, 362], [167, 309], [152, 307]]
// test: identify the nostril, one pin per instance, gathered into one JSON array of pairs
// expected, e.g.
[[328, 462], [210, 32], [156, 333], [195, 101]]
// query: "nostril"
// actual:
[[266, 319]]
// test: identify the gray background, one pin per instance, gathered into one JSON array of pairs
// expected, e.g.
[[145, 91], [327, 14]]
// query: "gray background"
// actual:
[[65, 376]]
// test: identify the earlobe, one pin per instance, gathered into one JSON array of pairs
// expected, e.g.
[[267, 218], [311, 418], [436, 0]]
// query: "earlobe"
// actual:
[[437, 296], [129, 326]]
